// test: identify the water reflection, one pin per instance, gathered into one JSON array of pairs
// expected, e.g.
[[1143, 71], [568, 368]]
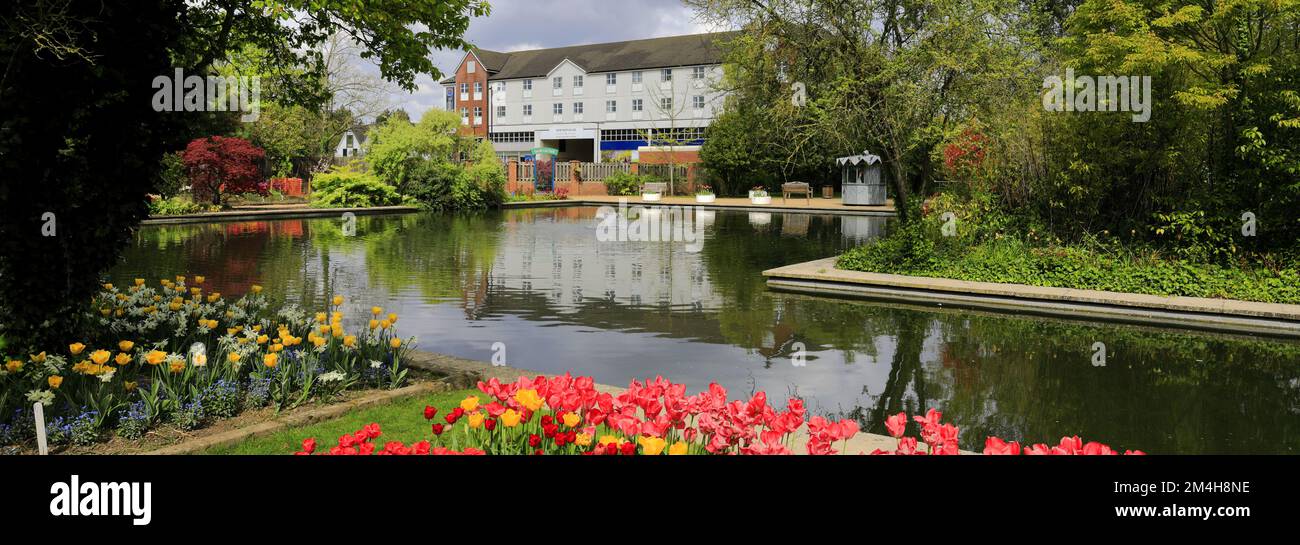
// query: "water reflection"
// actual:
[[541, 282]]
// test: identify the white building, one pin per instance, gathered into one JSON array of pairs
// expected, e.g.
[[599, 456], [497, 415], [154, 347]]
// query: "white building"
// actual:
[[596, 102]]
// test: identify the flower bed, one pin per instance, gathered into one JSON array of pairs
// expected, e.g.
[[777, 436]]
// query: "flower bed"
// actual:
[[181, 356], [566, 415]]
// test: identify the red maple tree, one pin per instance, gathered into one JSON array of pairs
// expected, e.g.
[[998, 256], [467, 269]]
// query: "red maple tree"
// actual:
[[218, 165]]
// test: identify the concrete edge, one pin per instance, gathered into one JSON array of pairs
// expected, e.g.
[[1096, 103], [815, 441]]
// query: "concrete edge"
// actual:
[[252, 215], [275, 425], [820, 277], [772, 208]]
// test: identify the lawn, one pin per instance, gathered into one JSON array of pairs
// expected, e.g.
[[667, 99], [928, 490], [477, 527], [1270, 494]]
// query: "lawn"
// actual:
[[402, 420]]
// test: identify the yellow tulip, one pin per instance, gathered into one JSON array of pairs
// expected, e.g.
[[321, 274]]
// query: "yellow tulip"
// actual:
[[108, 286], [651, 446], [125, 346], [374, 324], [385, 324], [571, 419], [277, 347], [76, 348], [337, 330], [376, 311], [469, 404], [122, 358], [270, 360], [38, 358], [212, 298], [607, 439], [395, 343], [56, 381], [180, 279], [199, 279], [100, 357], [320, 317], [233, 357], [510, 418], [678, 449], [139, 281], [155, 357], [261, 339], [392, 318], [529, 399], [582, 439], [256, 289], [176, 366], [475, 420], [349, 341], [13, 366], [338, 300], [130, 386]]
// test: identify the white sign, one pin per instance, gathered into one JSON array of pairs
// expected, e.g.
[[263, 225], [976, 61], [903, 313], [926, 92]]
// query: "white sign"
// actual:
[[567, 134]]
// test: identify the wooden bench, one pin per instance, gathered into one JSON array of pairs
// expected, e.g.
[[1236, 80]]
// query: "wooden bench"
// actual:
[[795, 188], [655, 187]]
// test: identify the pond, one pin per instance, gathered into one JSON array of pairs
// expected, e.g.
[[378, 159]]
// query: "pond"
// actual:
[[557, 296]]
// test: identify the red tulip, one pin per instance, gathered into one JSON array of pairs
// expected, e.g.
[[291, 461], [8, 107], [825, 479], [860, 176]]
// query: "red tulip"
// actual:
[[534, 441], [896, 424], [430, 412], [437, 429], [489, 424], [997, 447], [309, 445]]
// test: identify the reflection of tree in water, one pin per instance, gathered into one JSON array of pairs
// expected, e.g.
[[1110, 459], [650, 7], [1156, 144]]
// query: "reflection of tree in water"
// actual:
[[445, 256]]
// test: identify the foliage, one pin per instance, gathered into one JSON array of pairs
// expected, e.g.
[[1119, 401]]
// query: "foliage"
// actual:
[[178, 206], [171, 175], [624, 184], [176, 354], [396, 148], [347, 187], [218, 165], [990, 246], [80, 141], [440, 169]]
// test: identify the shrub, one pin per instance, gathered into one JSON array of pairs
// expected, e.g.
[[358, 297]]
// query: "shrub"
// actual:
[[171, 177], [349, 188], [623, 184], [178, 206], [219, 164]]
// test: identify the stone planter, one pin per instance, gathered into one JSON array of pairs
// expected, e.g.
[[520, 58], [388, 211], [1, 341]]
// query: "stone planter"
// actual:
[[762, 201], [705, 199], [651, 197]]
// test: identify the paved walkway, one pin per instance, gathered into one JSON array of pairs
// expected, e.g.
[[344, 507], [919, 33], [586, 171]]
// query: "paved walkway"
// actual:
[[818, 205], [273, 212], [821, 277]]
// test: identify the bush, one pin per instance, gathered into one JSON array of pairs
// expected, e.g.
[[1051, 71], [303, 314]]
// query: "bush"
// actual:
[[623, 184], [349, 188], [171, 177], [178, 206], [443, 186]]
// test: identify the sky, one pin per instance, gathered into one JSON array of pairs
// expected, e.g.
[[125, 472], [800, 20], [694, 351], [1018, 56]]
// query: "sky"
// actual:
[[518, 25]]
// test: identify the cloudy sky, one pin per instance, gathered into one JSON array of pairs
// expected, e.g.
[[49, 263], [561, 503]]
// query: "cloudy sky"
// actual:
[[517, 25]]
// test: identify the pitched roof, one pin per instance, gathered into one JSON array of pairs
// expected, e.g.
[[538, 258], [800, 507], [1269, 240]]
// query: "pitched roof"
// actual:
[[672, 51], [690, 50]]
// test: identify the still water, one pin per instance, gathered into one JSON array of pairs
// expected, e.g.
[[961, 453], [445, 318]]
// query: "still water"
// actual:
[[540, 282]]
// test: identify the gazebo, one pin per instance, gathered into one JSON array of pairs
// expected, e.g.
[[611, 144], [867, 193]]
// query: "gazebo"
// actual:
[[861, 178]]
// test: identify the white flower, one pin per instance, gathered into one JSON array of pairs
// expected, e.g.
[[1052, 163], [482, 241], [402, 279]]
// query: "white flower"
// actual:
[[332, 376], [374, 364], [45, 397], [107, 376]]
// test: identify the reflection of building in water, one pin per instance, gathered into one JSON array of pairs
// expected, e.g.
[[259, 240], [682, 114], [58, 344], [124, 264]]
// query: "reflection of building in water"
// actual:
[[862, 229], [566, 262]]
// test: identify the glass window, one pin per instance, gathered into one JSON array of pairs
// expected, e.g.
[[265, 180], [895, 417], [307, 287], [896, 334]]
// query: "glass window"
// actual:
[[528, 109], [666, 103], [469, 67], [557, 83], [666, 74], [501, 111], [464, 88], [528, 85], [638, 105], [698, 102], [611, 106], [557, 108], [636, 77], [578, 107], [697, 72], [478, 87], [577, 81], [611, 79]]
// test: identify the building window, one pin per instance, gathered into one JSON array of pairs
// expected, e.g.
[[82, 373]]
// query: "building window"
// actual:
[[697, 72], [636, 77], [464, 88], [478, 115], [698, 102], [469, 67], [557, 108], [511, 137], [528, 109], [501, 111], [666, 104], [666, 74], [611, 79], [350, 140], [611, 106], [478, 87], [557, 82], [528, 85], [578, 107], [638, 105], [577, 81]]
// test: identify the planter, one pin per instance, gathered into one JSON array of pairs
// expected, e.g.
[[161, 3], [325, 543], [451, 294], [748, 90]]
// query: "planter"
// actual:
[[705, 198], [828, 192], [761, 200], [651, 197]]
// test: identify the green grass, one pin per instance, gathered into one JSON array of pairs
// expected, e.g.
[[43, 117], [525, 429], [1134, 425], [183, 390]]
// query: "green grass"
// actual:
[[402, 420]]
